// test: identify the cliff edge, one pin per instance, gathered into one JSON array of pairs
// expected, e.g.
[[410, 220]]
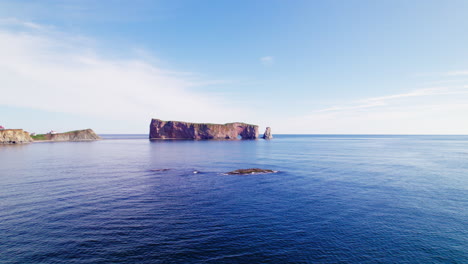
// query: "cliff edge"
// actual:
[[77, 135], [14, 136], [160, 129]]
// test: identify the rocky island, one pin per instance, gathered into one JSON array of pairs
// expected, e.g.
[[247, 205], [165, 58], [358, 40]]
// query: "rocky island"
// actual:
[[160, 129], [77, 135], [14, 136]]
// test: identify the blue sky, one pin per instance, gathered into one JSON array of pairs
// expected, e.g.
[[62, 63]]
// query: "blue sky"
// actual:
[[340, 67]]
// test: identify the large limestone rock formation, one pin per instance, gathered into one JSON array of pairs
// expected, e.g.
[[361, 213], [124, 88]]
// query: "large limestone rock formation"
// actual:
[[183, 130], [78, 135], [267, 134], [14, 136]]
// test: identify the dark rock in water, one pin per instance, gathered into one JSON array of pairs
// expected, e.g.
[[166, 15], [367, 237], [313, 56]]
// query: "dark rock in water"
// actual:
[[183, 130], [160, 170], [250, 171], [267, 134]]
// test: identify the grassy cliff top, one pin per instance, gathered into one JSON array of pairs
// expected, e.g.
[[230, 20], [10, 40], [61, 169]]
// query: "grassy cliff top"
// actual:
[[39, 137], [211, 124], [48, 136]]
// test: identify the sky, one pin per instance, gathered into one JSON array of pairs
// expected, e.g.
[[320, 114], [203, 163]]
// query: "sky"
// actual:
[[300, 67]]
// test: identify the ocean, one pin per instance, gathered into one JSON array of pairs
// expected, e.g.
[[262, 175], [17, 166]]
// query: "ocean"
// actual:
[[334, 199]]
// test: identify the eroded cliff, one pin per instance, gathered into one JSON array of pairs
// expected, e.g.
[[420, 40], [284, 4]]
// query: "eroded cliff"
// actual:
[[14, 136], [160, 129]]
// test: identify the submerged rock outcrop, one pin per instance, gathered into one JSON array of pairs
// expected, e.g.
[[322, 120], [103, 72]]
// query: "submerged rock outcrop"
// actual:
[[160, 129], [267, 134], [77, 135], [14, 136], [250, 171]]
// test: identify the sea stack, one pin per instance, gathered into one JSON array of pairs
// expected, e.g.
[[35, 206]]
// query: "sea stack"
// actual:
[[160, 129], [267, 134]]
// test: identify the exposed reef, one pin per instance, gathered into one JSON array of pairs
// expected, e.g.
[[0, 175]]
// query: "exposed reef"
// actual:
[[160, 170], [77, 135], [267, 134], [250, 171], [183, 130], [14, 136]]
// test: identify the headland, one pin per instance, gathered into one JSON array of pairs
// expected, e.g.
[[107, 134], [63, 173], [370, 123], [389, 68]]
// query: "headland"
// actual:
[[76, 135]]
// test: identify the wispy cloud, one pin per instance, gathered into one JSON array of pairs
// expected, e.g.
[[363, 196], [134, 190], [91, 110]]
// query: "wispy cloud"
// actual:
[[267, 60], [457, 73], [437, 110], [13, 22], [385, 100], [53, 71], [350, 107]]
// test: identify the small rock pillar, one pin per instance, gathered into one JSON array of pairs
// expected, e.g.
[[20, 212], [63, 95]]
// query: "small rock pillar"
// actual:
[[267, 134]]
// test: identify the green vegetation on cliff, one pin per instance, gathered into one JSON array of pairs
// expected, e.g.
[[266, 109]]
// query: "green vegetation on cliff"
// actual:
[[75, 135], [39, 137]]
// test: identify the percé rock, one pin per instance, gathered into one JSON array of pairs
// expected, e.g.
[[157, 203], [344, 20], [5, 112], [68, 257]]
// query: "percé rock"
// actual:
[[183, 130], [14, 136], [267, 134], [77, 135]]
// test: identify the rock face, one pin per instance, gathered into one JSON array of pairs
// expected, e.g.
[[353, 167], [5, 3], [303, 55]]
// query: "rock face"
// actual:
[[78, 135], [267, 134], [182, 130], [14, 136]]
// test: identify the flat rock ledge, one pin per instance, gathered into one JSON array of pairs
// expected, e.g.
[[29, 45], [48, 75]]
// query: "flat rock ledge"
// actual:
[[250, 171]]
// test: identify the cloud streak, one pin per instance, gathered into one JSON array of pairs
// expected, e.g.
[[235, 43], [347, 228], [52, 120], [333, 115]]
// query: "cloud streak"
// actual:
[[457, 73], [386, 100], [267, 60], [437, 110]]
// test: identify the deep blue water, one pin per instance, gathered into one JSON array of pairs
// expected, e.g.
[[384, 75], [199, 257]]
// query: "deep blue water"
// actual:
[[335, 199]]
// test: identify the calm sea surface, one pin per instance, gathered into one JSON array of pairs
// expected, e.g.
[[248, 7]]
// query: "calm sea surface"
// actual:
[[335, 199]]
